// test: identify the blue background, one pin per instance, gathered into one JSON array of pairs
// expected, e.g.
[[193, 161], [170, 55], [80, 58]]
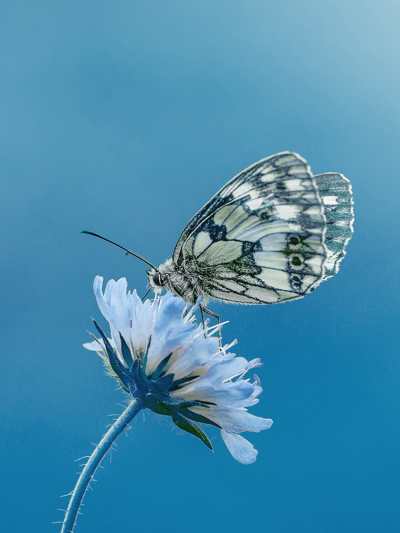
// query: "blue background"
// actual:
[[124, 118]]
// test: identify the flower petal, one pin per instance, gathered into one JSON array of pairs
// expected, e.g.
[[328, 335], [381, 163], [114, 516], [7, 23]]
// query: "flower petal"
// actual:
[[226, 370], [98, 292], [236, 420], [95, 346], [143, 316], [241, 449], [200, 352], [233, 394], [115, 307], [170, 332], [120, 307]]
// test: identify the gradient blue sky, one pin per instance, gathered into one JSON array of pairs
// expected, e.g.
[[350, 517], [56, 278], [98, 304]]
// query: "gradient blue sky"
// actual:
[[124, 118]]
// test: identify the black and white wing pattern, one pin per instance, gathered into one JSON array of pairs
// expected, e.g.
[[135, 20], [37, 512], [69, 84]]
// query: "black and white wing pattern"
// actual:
[[262, 238], [336, 195]]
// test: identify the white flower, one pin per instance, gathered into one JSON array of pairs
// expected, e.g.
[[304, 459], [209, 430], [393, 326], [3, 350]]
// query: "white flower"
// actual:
[[160, 356]]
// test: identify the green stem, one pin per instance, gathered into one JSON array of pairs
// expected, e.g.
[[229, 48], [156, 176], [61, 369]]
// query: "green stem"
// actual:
[[95, 459]]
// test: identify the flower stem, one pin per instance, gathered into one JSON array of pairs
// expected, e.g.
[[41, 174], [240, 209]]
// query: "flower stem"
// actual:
[[95, 459]]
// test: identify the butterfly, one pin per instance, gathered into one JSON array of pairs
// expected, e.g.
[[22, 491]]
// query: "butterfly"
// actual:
[[272, 234]]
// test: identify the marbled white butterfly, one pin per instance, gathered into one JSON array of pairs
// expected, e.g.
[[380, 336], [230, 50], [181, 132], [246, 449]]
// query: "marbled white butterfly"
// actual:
[[272, 234]]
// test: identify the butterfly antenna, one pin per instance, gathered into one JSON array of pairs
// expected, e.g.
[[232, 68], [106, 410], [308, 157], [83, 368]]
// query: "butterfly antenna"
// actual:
[[119, 246]]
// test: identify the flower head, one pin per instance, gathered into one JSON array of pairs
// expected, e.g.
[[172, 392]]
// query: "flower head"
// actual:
[[175, 367]]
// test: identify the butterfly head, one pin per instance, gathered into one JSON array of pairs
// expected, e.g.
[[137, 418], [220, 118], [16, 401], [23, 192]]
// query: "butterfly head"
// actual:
[[156, 280]]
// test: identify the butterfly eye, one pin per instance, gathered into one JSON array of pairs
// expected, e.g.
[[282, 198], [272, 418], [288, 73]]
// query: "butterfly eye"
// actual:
[[157, 279]]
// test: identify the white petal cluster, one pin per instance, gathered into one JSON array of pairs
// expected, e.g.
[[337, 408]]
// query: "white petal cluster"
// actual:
[[210, 377]]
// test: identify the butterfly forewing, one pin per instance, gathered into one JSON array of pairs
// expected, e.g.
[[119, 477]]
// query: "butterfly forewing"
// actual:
[[260, 239], [251, 179]]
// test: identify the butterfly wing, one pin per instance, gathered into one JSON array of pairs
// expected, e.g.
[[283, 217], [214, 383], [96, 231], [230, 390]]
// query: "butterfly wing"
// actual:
[[261, 238], [249, 181], [336, 195]]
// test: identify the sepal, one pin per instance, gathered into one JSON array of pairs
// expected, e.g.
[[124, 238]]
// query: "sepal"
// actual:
[[114, 361], [188, 426], [126, 353], [163, 385], [198, 418], [158, 372]]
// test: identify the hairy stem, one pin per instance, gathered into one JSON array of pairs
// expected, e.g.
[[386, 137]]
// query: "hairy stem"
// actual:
[[95, 459]]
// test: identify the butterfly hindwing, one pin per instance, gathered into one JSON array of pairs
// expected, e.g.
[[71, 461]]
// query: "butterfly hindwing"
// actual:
[[336, 195], [260, 239]]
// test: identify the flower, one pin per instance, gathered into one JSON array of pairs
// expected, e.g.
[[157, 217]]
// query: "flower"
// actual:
[[175, 367]]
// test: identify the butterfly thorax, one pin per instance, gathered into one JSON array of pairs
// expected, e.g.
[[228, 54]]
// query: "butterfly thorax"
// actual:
[[182, 281]]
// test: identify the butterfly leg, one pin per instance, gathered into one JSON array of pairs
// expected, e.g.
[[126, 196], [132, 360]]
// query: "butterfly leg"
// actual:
[[202, 319], [214, 315]]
